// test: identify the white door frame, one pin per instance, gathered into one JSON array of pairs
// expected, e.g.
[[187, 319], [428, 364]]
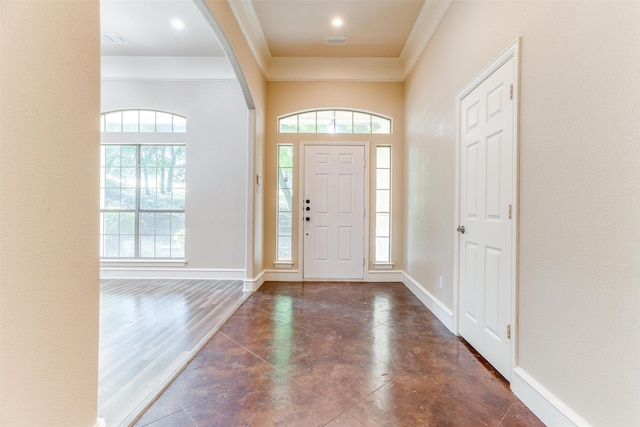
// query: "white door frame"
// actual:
[[513, 51], [301, 161]]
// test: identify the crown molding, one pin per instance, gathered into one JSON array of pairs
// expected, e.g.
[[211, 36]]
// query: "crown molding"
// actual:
[[166, 68], [394, 69], [427, 21], [335, 69], [249, 23]]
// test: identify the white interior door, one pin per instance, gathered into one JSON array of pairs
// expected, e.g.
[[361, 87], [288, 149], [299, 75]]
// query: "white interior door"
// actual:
[[486, 193], [333, 212]]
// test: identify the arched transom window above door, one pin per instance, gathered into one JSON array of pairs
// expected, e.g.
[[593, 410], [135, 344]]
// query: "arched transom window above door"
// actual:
[[330, 121]]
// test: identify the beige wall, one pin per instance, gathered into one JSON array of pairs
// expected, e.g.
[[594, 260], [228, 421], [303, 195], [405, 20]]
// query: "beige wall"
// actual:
[[288, 97], [579, 267], [254, 84], [49, 162]]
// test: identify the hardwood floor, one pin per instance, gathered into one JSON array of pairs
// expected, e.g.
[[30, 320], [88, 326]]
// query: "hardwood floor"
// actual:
[[149, 330], [337, 354]]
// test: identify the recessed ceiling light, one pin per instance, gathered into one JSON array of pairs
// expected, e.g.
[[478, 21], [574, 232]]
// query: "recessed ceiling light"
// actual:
[[337, 22], [177, 24]]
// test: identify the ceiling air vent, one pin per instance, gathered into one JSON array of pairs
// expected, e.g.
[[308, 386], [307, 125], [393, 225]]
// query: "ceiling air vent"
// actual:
[[112, 38], [335, 40]]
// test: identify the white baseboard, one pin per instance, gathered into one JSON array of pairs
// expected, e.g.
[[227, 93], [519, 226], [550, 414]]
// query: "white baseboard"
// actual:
[[384, 276], [171, 273], [441, 311], [544, 404], [252, 285], [282, 275]]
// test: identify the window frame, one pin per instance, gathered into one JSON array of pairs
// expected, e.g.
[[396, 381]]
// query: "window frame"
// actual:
[[384, 263], [138, 140], [283, 262], [311, 125], [178, 122]]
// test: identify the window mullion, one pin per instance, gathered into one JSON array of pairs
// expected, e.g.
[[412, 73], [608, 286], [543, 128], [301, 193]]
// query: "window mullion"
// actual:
[[137, 214]]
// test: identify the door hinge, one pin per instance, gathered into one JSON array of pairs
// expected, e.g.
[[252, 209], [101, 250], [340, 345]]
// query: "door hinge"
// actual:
[[508, 332], [510, 211], [511, 92]]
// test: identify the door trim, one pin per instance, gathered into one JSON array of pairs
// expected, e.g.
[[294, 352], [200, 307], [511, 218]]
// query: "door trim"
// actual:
[[301, 170], [513, 51]]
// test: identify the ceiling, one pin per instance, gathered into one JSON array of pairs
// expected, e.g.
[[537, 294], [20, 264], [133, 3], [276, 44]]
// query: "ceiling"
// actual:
[[287, 36], [146, 27], [298, 28]]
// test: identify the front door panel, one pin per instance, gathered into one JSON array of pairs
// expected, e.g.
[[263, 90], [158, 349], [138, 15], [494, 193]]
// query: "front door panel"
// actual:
[[334, 224]]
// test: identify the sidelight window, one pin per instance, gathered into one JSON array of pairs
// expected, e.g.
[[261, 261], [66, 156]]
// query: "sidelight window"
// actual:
[[285, 202], [383, 204]]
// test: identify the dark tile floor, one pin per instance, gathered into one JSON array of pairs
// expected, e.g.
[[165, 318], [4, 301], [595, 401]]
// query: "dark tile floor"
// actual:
[[337, 354]]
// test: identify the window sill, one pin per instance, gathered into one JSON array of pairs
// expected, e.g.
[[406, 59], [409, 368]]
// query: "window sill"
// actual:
[[383, 266], [283, 264], [142, 262]]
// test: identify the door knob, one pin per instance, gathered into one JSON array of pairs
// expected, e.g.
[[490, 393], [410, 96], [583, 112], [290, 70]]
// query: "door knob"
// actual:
[[460, 229], [307, 219]]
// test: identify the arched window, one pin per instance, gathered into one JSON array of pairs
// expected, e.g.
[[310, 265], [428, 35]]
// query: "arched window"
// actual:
[[334, 121], [142, 187], [142, 121]]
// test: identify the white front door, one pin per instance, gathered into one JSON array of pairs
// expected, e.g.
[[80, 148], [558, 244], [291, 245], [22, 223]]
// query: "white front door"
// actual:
[[486, 193], [333, 212]]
